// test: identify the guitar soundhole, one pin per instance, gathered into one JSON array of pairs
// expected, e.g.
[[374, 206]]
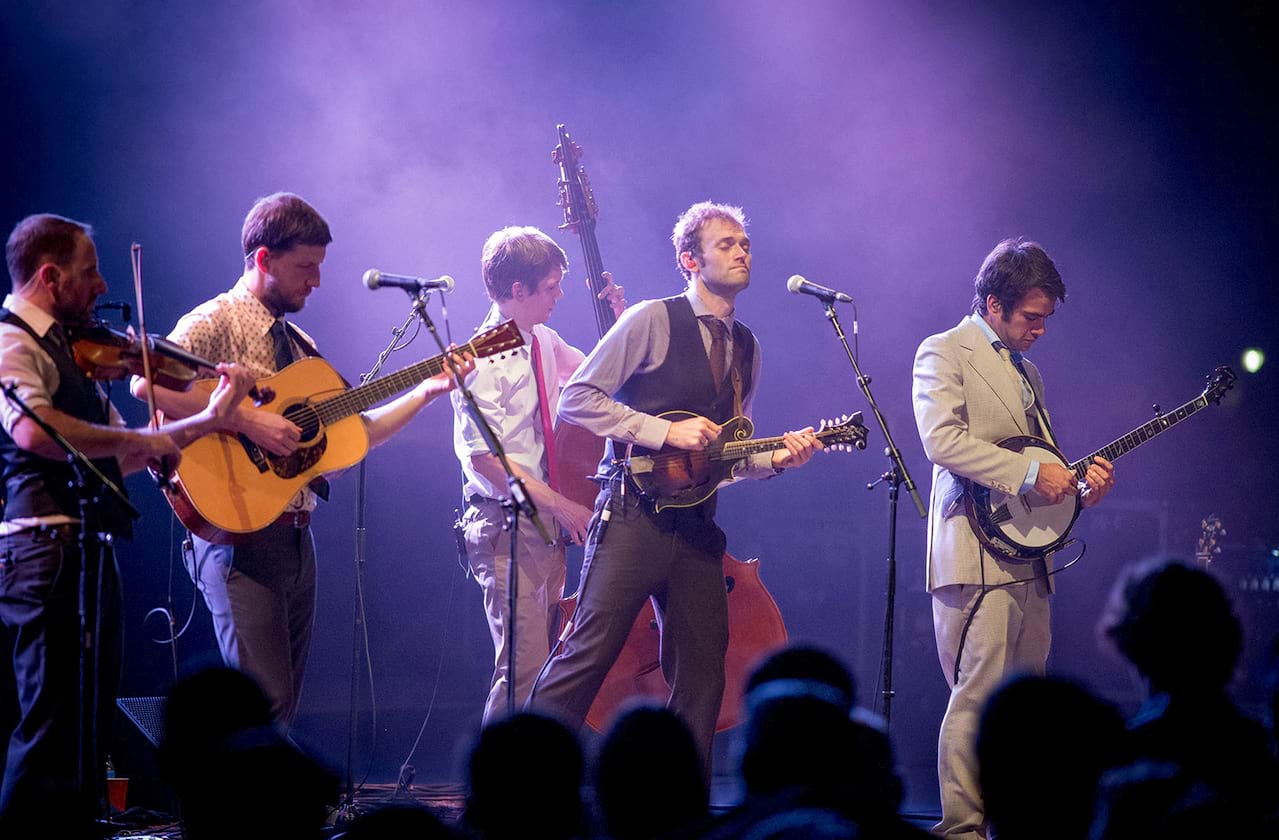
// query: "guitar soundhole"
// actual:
[[305, 418]]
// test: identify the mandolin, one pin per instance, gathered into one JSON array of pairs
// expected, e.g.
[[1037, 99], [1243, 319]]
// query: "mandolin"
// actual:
[[679, 478]]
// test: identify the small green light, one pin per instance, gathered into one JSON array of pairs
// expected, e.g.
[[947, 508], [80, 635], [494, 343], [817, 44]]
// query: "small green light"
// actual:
[[1253, 359]]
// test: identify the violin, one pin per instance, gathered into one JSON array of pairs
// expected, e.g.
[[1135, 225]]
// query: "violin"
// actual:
[[106, 354]]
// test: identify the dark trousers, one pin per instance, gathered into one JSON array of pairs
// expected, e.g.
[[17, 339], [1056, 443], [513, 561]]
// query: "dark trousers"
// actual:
[[676, 558], [39, 608], [261, 594]]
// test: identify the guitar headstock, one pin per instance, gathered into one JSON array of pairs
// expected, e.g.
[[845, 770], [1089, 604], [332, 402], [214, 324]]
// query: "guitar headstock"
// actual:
[[1220, 381], [491, 342], [575, 195], [843, 434], [1207, 549]]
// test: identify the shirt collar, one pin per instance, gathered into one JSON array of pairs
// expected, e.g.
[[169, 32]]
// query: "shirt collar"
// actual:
[[985, 328], [260, 317], [700, 308], [36, 318]]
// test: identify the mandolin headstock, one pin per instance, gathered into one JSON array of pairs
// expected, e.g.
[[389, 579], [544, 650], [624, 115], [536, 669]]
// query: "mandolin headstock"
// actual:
[[843, 433]]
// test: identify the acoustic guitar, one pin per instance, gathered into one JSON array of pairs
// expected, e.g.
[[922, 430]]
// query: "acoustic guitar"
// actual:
[[226, 486], [1024, 528]]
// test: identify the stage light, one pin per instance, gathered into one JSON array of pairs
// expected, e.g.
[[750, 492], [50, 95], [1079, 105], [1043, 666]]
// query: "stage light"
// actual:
[[1253, 359]]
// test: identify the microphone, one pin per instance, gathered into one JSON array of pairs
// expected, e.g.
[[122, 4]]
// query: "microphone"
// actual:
[[374, 279], [799, 286]]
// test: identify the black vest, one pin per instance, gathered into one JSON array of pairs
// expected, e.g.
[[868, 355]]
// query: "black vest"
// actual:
[[36, 486], [682, 382]]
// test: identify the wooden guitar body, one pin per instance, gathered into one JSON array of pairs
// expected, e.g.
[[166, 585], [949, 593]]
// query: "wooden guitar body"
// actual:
[[227, 479]]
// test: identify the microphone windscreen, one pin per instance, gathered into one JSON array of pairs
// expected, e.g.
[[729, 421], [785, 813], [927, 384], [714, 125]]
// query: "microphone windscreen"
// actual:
[[447, 283], [795, 283], [372, 278]]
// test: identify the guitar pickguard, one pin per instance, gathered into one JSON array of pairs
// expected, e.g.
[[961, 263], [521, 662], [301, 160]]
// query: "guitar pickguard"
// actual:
[[301, 460]]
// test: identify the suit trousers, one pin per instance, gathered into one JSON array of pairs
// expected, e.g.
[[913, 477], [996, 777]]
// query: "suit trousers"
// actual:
[[261, 594], [39, 610], [1009, 632], [540, 587], [674, 557]]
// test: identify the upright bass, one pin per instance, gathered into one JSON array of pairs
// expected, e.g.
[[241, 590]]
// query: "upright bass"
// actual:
[[755, 624]]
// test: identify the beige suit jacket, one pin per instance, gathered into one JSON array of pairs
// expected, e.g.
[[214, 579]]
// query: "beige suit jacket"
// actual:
[[965, 402]]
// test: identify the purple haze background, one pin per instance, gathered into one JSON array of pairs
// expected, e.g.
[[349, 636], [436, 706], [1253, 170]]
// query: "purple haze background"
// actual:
[[878, 148]]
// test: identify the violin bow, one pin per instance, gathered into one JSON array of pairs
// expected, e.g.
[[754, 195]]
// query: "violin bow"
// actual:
[[144, 345]]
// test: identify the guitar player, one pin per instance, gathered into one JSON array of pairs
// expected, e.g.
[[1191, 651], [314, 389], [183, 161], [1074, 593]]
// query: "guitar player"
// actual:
[[972, 388], [261, 591], [685, 352]]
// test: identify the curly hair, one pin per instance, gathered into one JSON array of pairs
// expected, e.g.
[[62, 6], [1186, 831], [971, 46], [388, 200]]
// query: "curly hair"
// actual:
[[687, 235]]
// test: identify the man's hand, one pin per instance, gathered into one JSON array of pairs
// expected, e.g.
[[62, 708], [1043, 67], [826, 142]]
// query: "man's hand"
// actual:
[[615, 295], [692, 434], [573, 518], [233, 386], [154, 448], [800, 447], [1055, 482], [273, 432], [1100, 480], [443, 382]]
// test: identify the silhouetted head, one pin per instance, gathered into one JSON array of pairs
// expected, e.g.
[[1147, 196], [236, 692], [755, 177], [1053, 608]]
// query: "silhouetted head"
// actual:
[[1176, 625], [649, 775], [525, 778], [805, 663], [1042, 745]]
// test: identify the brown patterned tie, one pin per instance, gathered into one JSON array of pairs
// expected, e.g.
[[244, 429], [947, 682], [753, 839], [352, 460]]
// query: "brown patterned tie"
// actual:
[[719, 348]]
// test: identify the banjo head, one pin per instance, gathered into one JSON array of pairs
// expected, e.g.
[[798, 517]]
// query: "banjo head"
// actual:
[[1024, 527]]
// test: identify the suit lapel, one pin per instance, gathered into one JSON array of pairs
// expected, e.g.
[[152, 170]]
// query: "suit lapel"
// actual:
[[986, 363]]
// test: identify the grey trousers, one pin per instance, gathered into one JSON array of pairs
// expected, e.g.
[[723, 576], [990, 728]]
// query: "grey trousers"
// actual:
[[540, 588], [676, 558], [262, 597], [1009, 632]]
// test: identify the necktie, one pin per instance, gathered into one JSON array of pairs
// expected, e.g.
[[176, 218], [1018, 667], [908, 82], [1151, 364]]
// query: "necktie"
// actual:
[[281, 345], [59, 337], [544, 409], [719, 348], [1014, 361]]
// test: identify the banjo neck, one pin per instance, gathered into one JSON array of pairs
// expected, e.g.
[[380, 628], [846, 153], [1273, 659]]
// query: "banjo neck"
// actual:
[[1145, 432]]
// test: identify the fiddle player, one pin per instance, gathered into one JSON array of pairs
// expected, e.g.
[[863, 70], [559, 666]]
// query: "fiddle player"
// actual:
[[53, 268], [972, 388], [685, 352], [261, 591], [523, 269]]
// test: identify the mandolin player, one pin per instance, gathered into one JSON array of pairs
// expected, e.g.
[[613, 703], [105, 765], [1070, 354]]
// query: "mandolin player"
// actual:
[[682, 353], [972, 389]]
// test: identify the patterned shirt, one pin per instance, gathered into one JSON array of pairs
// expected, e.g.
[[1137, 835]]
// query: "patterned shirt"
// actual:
[[236, 327]]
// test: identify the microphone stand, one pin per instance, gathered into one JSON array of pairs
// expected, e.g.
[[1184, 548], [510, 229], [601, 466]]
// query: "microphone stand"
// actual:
[[896, 476], [348, 811], [89, 497], [517, 502]]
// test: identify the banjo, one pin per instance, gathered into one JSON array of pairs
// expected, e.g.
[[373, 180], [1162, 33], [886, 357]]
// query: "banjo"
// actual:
[[1024, 528]]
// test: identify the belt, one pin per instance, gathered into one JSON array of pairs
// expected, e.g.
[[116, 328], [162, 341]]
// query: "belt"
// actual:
[[295, 518], [61, 531]]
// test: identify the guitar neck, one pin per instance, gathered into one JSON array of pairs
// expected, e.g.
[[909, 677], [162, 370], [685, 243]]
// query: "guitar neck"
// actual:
[[369, 394], [1141, 434]]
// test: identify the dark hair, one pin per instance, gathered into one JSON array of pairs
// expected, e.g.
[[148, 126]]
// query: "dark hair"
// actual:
[[523, 254], [545, 756], [1175, 624], [280, 222], [1011, 270], [39, 238], [805, 663], [687, 235]]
